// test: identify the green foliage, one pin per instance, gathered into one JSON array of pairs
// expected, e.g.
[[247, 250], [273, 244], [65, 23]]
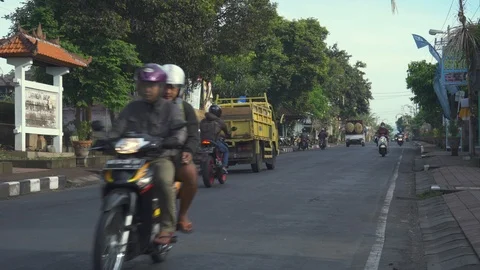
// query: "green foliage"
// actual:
[[83, 131], [420, 77], [243, 46], [453, 128], [390, 128], [97, 30]]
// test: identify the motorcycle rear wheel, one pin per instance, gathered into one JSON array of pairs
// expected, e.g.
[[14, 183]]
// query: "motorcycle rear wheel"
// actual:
[[208, 175], [112, 221]]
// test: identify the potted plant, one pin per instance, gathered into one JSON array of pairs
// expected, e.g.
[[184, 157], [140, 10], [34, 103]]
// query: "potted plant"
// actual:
[[84, 142], [454, 139]]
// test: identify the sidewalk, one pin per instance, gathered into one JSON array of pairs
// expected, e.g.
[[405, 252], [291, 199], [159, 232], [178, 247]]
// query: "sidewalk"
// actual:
[[459, 180], [25, 181], [28, 173]]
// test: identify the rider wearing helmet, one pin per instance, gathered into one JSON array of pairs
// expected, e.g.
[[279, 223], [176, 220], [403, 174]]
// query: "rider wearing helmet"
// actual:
[[323, 134], [186, 171], [383, 130], [211, 127], [163, 120]]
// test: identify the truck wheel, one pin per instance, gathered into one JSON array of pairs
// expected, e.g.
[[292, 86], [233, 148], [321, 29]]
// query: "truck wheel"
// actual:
[[271, 165], [258, 163]]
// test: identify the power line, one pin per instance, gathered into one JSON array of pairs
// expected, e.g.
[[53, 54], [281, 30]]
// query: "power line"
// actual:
[[476, 11], [449, 10]]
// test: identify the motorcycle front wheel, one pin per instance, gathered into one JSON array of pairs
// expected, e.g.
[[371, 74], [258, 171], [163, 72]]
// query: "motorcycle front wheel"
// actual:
[[107, 253]]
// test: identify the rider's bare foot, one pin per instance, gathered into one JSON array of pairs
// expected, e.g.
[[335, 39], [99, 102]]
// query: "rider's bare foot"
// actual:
[[163, 238]]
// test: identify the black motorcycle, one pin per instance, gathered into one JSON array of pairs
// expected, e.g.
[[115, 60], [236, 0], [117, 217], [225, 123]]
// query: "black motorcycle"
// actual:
[[129, 220], [400, 141], [322, 144], [303, 144], [211, 163]]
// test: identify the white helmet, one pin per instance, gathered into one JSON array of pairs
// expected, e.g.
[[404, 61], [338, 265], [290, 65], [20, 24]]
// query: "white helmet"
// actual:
[[175, 77]]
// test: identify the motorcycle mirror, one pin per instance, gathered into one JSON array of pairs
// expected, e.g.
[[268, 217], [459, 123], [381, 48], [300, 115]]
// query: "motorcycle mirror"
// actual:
[[97, 125], [234, 128]]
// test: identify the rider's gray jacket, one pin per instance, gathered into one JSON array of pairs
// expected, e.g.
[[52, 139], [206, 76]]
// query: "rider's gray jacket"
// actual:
[[161, 119]]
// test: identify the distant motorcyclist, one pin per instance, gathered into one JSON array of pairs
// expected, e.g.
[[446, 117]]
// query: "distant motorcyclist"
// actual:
[[211, 128], [303, 138], [322, 135], [383, 131]]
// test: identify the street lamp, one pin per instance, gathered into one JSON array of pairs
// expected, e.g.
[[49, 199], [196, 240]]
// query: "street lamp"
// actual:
[[434, 32]]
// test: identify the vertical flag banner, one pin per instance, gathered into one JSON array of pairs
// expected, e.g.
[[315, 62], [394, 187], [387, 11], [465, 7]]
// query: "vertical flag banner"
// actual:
[[438, 86]]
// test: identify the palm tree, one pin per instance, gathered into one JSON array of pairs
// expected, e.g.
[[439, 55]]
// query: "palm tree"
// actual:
[[465, 40], [394, 6]]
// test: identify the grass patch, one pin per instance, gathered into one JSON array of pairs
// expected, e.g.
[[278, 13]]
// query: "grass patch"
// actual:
[[430, 194]]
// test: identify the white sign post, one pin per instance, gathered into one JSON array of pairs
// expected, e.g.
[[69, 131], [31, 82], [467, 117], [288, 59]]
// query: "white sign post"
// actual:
[[38, 106]]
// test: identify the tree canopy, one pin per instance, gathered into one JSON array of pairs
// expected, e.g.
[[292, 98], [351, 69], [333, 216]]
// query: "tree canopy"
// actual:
[[420, 75], [243, 46]]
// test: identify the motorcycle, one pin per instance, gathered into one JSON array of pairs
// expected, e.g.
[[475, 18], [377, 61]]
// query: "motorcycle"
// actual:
[[382, 145], [400, 141], [211, 164], [303, 144], [322, 144], [129, 220]]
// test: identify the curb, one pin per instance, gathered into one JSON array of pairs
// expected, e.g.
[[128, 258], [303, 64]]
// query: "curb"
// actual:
[[445, 244], [29, 186]]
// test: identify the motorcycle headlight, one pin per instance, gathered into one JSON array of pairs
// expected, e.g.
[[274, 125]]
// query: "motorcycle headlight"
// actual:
[[144, 181]]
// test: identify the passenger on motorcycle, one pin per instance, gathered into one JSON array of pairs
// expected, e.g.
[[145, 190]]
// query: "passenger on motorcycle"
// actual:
[[157, 117], [211, 127], [383, 131], [186, 171]]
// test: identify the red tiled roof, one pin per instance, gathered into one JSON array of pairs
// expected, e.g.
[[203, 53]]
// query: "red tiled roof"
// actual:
[[23, 45]]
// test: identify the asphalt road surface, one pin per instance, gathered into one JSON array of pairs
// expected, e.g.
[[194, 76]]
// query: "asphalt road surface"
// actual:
[[316, 210]]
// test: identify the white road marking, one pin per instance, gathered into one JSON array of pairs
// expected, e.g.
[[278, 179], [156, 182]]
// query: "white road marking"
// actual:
[[377, 248]]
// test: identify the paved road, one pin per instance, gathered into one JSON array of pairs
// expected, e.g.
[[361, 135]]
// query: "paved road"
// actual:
[[317, 210]]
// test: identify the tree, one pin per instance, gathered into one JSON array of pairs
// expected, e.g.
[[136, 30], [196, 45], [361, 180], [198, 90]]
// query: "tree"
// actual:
[[98, 30], [393, 4], [420, 75], [390, 129], [235, 76], [400, 123], [193, 34], [347, 89], [296, 63]]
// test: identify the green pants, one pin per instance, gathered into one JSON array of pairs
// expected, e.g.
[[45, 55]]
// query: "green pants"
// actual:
[[163, 177]]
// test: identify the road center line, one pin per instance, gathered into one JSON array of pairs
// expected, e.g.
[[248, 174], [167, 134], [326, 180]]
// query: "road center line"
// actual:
[[377, 248]]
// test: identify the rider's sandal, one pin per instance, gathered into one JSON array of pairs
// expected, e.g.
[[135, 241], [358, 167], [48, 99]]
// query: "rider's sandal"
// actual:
[[163, 239], [185, 227]]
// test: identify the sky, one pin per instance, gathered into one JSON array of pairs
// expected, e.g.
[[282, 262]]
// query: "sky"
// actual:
[[368, 31]]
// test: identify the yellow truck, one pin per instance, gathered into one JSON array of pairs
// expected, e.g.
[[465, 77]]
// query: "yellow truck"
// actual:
[[256, 138]]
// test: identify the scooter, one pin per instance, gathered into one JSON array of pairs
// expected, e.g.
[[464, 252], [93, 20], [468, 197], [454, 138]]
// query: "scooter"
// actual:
[[129, 218], [382, 145]]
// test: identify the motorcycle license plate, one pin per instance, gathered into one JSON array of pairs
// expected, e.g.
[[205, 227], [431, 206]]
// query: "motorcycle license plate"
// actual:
[[124, 164], [382, 146], [206, 150]]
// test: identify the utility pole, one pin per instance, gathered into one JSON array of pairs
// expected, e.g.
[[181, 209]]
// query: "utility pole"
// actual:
[[471, 99]]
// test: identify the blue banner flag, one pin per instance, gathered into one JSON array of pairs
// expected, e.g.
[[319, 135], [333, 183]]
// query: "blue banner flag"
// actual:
[[438, 86]]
